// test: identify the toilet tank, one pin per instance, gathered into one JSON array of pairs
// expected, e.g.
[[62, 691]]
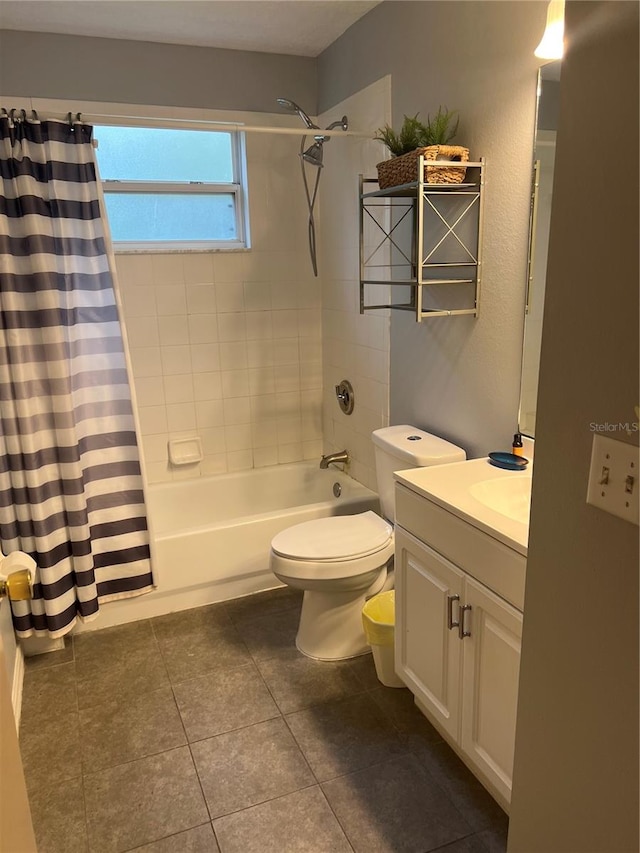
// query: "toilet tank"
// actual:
[[400, 447]]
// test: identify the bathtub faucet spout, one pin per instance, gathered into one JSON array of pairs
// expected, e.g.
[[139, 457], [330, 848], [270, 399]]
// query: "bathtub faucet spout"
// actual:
[[330, 458]]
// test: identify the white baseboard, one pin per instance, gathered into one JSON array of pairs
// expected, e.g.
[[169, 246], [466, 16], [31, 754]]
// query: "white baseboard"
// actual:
[[16, 687]]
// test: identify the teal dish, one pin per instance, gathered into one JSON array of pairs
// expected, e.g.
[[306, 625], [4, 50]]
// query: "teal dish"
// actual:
[[508, 460]]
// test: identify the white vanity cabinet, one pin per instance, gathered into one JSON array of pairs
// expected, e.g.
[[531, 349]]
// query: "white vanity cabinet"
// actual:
[[428, 654], [490, 669], [458, 641]]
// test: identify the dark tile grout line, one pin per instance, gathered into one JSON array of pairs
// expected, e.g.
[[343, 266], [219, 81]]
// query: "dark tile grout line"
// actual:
[[173, 835], [84, 774], [306, 760], [319, 784], [193, 760], [443, 848], [186, 736], [365, 690], [304, 757], [408, 751], [281, 715], [263, 802], [84, 791]]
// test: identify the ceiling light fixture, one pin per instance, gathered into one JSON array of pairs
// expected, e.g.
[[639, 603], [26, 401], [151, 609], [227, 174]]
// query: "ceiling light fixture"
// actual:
[[552, 44]]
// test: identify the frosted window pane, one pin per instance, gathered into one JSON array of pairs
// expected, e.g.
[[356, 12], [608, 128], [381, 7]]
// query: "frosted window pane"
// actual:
[[164, 217], [162, 154]]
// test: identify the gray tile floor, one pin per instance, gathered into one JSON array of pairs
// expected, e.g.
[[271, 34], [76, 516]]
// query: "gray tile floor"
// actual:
[[206, 731]]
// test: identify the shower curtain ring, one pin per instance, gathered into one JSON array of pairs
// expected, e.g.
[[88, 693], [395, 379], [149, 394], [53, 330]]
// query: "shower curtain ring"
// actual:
[[70, 120], [12, 117], [35, 116], [24, 114]]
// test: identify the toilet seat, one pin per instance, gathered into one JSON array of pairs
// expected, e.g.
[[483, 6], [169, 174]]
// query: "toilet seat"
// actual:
[[339, 537], [331, 549]]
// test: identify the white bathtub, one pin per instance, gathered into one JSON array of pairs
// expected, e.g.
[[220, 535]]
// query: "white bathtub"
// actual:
[[216, 531], [211, 537]]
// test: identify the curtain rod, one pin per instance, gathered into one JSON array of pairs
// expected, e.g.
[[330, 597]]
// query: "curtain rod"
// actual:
[[231, 126], [198, 124]]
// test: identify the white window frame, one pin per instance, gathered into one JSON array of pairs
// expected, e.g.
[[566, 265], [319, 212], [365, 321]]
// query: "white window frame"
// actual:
[[238, 188]]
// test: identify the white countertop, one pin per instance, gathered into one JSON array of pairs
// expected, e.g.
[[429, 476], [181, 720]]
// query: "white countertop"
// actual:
[[457, 487]]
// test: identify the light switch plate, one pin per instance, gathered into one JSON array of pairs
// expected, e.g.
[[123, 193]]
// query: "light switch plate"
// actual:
[[614, 477]]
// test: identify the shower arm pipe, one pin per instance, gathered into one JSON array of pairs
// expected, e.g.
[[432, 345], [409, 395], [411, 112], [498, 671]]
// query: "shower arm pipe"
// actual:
[[196, 124]]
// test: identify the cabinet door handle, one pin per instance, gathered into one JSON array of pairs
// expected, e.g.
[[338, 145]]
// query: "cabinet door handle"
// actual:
[[461, 631], [450, 623]]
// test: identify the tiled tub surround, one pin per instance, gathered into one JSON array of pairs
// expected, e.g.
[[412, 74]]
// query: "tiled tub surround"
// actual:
[[227, 345], [207, 731], [355, 346]]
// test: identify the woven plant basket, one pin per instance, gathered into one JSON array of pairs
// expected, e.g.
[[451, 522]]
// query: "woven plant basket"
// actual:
[[404, 169]]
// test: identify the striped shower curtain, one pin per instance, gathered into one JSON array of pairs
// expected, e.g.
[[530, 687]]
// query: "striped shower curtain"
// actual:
[[70, 481]]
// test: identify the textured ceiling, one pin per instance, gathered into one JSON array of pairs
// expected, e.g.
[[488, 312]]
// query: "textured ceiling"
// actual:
[[299, 27]]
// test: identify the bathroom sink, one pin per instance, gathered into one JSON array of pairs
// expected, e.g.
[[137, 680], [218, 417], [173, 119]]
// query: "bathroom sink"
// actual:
[[510, 497], [492, 499]]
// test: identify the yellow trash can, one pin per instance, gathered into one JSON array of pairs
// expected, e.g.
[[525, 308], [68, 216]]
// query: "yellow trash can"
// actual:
[[379, 620]]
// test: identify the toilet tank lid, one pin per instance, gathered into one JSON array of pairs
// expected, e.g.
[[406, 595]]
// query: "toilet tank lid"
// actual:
[[417, 447]]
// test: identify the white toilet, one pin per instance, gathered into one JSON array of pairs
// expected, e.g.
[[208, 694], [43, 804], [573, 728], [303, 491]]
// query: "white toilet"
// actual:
[[341, 561]]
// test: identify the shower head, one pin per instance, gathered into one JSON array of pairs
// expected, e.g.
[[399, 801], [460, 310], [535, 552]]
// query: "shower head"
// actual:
[[292, 107], [313, 154]]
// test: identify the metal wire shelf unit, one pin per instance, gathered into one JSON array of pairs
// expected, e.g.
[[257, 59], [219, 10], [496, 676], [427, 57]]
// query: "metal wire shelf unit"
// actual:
[[425, 238]]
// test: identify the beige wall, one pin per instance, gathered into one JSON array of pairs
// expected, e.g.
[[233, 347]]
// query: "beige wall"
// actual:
[[576, 763]]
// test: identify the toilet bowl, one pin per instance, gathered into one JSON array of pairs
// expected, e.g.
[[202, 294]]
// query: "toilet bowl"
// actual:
[[342, 561], [339, 562]]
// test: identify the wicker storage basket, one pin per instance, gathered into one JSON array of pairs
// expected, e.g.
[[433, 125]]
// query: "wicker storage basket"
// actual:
[[404, 169]]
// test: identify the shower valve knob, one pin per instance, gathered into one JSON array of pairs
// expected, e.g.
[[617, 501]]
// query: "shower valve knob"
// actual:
[[344, 393]]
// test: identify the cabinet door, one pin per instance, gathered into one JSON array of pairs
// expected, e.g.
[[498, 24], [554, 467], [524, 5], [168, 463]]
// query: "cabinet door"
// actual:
[[491, 663], [428, 653]]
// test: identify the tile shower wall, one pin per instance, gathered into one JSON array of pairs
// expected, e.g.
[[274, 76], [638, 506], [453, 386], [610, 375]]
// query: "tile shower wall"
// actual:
[[355, 346], [227, 345]]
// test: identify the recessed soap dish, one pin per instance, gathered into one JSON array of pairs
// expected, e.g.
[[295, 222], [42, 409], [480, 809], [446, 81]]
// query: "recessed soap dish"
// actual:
[[185, 451]]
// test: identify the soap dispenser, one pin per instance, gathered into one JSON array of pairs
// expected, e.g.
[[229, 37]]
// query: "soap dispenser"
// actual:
[[516, 447]]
